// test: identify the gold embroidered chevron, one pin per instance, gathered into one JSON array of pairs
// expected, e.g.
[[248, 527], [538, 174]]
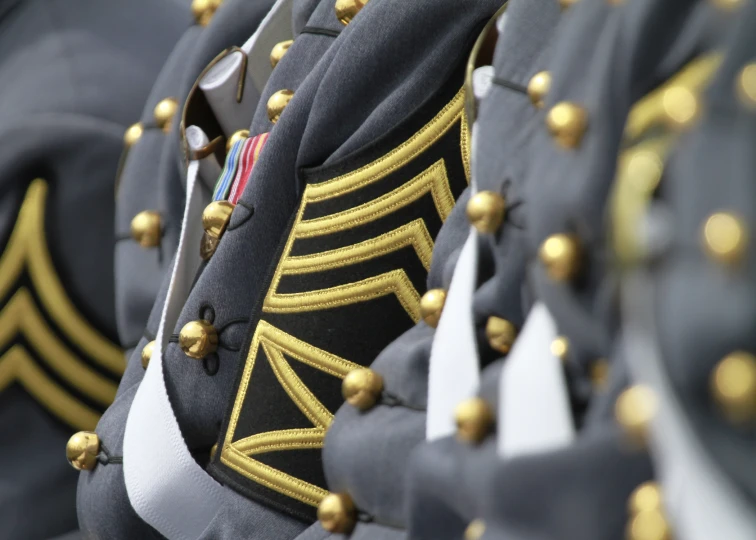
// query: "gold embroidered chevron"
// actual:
[[348, 282]]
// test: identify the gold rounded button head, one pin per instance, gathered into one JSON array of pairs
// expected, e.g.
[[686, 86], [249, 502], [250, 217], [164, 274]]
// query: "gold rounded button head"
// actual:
[[567, 123], [560, 347], [203, 10], [634, 410], [432, 305], [746, 86], [681, 106], [147, 354], [474, 420], [475, 530], [82, 450], [164, 113], [733, 384], [346, 10], [235, 137], [501, 334], [215, 217], [198, 339], [337, 514], [279, 51], [362, 387], [145, 228], [564, 4], [649, 525], [485, 210], [538, 87], [725, 237], [644, 498], [561, 256], [133, 134], [277, 103]]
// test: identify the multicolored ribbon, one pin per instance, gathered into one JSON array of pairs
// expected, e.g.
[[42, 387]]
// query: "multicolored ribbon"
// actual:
[[222, 186], [249, 155]]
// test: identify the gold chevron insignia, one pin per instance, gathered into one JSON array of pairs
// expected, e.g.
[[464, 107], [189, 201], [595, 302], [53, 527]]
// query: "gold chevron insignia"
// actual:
[[358, 252], [21, 317]]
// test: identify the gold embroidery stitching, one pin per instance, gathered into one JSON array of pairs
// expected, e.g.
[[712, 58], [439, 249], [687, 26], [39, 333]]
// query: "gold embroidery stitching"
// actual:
[[433, 179], [464, 143], [236, 454], [17, 365], [414, 234], [395, 159], [277, 345], [27, 246]]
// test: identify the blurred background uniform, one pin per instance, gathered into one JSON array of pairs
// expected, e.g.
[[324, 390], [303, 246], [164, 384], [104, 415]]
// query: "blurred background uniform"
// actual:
[[73, 75]]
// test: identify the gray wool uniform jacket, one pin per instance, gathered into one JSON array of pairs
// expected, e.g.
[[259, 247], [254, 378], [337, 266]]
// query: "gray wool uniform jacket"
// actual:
[[73, 75], [580, 490], [687, 293], [375, 130]]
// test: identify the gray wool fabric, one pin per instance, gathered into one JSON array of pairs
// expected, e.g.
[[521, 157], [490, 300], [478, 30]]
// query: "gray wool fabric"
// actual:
[[580, 491], [113, 517], [73, 74], [702, 308]]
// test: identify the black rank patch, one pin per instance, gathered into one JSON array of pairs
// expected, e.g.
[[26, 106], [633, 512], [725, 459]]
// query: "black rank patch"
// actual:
[[348, 281], [46, 345]]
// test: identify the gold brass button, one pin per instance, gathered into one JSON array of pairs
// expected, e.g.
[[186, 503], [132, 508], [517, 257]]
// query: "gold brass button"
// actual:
[[538, 87], [215, 217], [164, 113], [279, 50], [198, 339], [644, 498], [501, 334], [733, 384], [485, 211], [145, 228], [431, 306], [564, 4], [337, 514], [346, 10], [235, 137], [362, 387], [82, 450], [648, 525], [560, 347], [725, 237], [213, 450], [746, 85], [560, 255], [133, 134], [634, 410], [475, 530], [567, 123], [474, 420], [147, 353], [203, 10], [681, 107], [277, 103]]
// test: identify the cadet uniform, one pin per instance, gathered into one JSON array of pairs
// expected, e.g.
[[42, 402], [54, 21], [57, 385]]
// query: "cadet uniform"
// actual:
[[534, 479], [340, 211], [72, 76], [233, 516], [687, 293]]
